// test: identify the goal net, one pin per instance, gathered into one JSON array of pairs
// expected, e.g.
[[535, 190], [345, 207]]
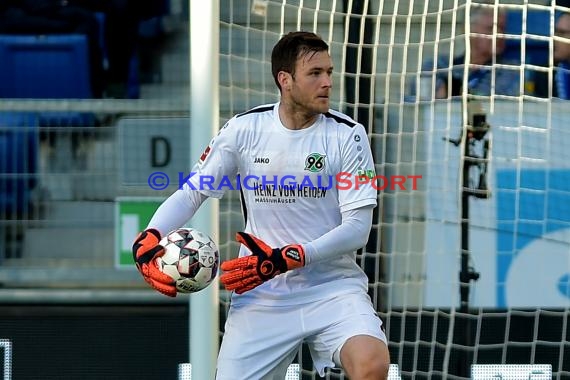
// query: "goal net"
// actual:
[[470, 264]]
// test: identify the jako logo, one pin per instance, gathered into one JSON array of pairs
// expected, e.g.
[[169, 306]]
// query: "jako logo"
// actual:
[[261, 160]]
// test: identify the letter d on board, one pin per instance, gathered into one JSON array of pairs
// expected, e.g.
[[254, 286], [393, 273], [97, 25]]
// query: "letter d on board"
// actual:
[[159, 152]]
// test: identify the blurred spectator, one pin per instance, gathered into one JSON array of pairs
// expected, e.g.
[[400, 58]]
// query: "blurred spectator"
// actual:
[[484, 46], [121, 26], [560, 87], [55, 17]]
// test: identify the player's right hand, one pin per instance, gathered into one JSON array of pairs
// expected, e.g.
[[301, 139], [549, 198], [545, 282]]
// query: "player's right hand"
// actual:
[[145, 252]]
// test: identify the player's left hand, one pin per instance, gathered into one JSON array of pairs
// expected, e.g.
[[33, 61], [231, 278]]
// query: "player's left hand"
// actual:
[[264, 263]]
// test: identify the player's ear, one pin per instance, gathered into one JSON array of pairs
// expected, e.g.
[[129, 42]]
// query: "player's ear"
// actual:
[[284, 78]]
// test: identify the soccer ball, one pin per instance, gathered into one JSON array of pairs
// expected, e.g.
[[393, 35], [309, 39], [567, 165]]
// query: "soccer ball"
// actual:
[[190, 257]]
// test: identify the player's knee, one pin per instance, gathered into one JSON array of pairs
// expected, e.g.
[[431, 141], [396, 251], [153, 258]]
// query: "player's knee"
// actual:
[[381, 370], [371, 363], [368, 366], [376, 369]]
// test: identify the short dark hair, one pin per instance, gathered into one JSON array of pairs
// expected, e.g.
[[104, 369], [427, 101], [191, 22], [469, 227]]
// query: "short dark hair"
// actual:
[[290, 47]]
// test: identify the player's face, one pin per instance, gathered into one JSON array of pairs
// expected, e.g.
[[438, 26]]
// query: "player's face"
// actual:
[[562, 44], [482, 41], [311, 85]]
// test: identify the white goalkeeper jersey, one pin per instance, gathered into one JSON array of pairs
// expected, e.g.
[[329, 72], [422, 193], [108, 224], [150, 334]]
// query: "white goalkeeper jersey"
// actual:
[[294, 185]]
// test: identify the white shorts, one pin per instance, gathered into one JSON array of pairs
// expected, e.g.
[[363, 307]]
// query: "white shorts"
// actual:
[[260, 342]]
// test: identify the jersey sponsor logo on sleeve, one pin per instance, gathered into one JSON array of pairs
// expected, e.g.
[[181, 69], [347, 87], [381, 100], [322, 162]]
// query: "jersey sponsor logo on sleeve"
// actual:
[[315, 162], [205, 153], [366, 173]]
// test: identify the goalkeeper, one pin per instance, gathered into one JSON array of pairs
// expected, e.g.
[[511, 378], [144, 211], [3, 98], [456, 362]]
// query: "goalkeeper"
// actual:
[[296, 279]]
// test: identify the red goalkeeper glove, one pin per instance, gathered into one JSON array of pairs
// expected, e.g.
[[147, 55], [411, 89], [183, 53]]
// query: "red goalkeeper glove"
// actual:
[[145, 252], [264, 263]]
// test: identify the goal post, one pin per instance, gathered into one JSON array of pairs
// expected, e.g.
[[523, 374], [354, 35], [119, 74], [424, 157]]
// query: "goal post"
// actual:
[[423, 248], [204, 120]]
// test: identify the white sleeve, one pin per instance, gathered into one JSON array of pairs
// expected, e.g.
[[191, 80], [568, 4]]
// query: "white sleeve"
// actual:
[[176, 210], [349, 236], [357, 161], [216, 170], [216, 163]]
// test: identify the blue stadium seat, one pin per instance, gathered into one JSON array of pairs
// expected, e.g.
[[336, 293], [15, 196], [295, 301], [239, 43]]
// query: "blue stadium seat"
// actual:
[[47, 67], [19, 150]]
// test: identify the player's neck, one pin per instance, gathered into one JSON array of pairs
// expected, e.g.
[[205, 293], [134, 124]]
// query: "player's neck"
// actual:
[[295, 119]]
